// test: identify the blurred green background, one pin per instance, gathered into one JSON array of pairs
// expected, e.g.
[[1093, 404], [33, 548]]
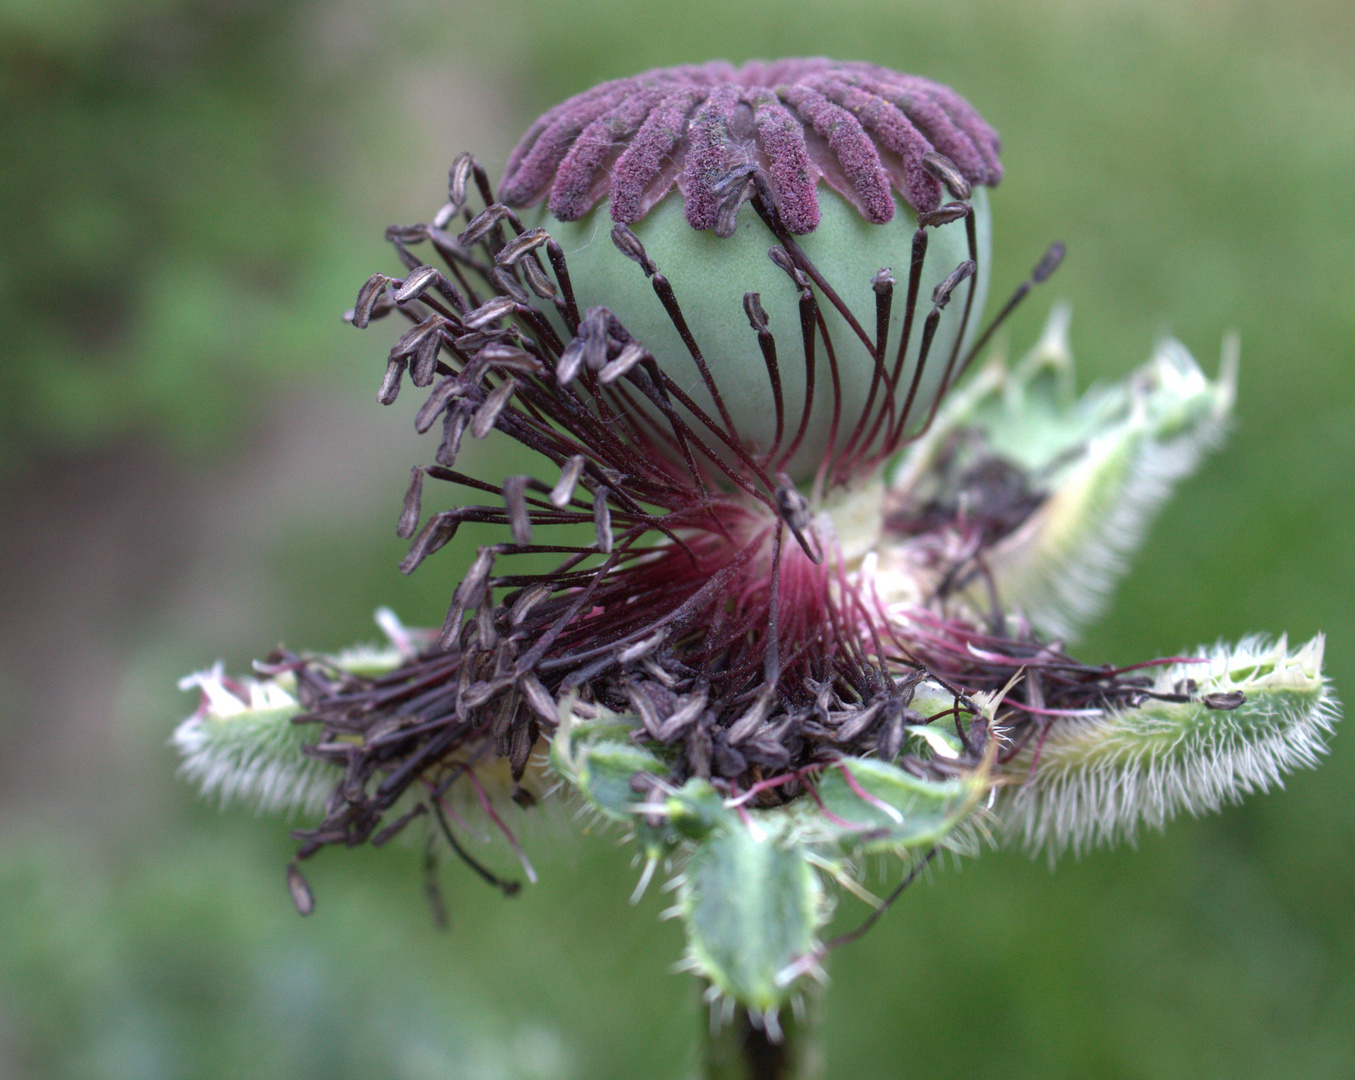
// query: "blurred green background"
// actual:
[[193, 466]]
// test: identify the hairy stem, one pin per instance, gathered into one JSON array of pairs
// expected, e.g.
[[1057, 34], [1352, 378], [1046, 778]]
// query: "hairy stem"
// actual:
[[740, 1049]]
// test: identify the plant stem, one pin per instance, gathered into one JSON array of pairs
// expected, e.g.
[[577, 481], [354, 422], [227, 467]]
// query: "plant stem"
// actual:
[[742, 1050]]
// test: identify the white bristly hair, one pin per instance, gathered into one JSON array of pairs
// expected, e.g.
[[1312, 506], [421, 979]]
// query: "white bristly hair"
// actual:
[[246, 748], [1061, 577], [1097, 779]]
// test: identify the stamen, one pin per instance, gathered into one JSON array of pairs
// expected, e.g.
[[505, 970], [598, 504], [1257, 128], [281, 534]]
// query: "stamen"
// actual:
[[808, 332], [794, 510], [469, 595], [570, 310], [734, 191], [302, 896], [516, 505], [414, 284], [525, 244], [488, 413], [882, 284], [768, 212], [457, 178], [424, 369], [881, 384], [390, 384], [602, 519], [391, 831], [507, 283], [508, 888], [666, 296], [757, 319], [482, 225], [940, 298], [414, 336], [563, 491], [491, 311], [1046, 266], [454, 423], [539, 282], [436, 533], [629, 356], [949, 174], [874, 916], [410, 512], [630, 246]]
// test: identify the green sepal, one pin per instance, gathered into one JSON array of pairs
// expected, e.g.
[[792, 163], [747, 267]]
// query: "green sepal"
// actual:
[[1103, 464], [601, 772], [753, 906], [242, 746], [696, 810], [751, 892], [868, 807], [598, 759], [1255, 711]]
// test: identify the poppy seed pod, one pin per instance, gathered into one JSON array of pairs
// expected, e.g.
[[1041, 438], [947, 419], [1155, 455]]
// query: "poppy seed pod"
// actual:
[[763, 181]]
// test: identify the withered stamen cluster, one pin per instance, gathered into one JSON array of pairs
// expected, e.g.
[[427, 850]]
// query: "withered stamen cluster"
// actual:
[[692, 589]]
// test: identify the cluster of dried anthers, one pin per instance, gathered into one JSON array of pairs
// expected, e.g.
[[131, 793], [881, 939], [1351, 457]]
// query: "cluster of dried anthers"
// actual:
[[765, 533], [698, 588]]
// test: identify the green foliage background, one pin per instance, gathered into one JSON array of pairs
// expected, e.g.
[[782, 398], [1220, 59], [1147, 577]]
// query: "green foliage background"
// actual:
[[192, 465]]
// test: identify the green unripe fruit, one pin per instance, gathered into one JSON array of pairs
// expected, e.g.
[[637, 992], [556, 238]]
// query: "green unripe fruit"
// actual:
[[710, 276], [832, 166]]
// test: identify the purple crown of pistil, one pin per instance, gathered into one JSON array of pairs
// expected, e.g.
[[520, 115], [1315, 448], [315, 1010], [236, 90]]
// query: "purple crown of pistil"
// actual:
[[861, 129]]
